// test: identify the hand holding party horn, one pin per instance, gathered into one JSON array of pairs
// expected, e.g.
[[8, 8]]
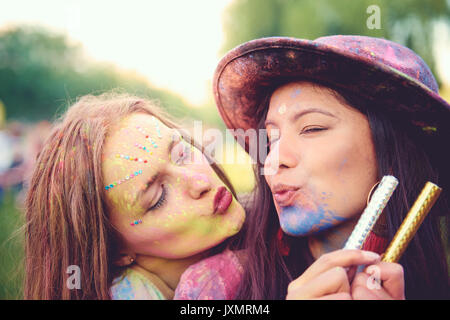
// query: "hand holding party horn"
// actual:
[[412, 222]]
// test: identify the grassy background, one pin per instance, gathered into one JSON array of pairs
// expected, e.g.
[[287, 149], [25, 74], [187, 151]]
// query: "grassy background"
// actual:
[[11, 247]]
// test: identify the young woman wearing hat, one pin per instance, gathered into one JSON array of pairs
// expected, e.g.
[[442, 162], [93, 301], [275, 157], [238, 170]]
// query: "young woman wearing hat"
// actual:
[[120, 204], [340, 113]]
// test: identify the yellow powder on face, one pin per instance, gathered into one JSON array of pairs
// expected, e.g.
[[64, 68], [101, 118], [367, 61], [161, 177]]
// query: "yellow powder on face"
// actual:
[[282, 109]]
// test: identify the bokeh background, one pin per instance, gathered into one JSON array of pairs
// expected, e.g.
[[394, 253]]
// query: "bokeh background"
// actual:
[[52, 52]]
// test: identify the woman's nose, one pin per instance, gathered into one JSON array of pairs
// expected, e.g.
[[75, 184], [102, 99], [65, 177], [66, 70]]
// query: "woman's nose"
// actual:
[[198, 185], [282, 156], [287, 155]]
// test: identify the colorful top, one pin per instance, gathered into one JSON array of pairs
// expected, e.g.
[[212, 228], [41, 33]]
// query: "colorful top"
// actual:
[[214, 278], [132, 285]]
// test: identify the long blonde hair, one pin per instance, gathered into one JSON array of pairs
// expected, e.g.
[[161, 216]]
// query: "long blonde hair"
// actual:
[[66, 215]]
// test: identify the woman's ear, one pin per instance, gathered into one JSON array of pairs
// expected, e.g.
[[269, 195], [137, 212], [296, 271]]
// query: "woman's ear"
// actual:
[[124, 259]]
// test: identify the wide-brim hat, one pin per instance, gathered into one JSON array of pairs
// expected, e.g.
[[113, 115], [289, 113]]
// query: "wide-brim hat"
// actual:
[[377, 69]]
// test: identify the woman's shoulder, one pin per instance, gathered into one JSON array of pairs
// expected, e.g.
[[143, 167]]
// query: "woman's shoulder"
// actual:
[[214, 278], [132, 285]]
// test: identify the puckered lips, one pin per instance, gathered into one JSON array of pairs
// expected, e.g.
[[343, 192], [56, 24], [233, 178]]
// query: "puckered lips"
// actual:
[[284, 194], [222, 200]]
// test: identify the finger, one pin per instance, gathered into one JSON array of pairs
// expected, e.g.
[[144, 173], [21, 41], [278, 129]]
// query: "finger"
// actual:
[[392, 277], [330, 282], [365, 287], [362, 293], [338, 258]]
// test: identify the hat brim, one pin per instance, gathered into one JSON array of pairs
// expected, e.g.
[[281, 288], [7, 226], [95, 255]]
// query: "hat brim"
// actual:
[[246, 74]]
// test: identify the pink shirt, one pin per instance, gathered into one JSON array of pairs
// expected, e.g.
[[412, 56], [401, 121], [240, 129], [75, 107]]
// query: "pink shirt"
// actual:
[[214, 278]]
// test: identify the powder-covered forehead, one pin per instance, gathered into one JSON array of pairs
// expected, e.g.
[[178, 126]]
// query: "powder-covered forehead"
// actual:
[[135, 151]]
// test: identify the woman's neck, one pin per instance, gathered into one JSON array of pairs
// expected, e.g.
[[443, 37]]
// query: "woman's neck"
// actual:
[[164, 273], [332, 239]]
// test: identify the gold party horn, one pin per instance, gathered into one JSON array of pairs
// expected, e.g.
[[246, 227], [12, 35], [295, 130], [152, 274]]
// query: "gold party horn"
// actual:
[[412, 222]]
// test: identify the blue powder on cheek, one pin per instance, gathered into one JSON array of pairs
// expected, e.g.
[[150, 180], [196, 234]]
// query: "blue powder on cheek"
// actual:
[[296, 221]]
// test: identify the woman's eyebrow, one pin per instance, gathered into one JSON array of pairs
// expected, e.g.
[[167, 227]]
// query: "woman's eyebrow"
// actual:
[[301, 113]]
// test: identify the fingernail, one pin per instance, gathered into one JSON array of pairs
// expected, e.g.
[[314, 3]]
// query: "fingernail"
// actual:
[[371, 255]]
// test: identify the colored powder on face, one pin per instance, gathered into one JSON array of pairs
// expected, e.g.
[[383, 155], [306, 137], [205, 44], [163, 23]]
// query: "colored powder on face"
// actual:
[[342, 164], [298, 221], [282, 109], [295, 93], [325, 196], [185, 174], [158, 130], [200, 177], [340, 173]]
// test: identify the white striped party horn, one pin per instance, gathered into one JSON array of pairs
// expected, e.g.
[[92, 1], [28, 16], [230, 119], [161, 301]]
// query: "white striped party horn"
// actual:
[[373, 210]]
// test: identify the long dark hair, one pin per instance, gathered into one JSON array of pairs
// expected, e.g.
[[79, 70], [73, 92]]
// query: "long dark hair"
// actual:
[[401, 150]]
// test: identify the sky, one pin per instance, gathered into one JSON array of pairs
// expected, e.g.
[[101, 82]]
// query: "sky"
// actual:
[[174, 43], [442, 51]]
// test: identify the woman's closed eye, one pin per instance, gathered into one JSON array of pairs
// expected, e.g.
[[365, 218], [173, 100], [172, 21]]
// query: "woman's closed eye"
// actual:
[[311, 129], [306, 130], [161, 201]]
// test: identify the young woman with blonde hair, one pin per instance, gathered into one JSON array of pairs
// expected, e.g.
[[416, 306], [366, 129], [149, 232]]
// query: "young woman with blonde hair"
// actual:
[[117, 200]]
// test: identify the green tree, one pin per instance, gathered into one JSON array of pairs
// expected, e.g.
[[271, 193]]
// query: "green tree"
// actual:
[[409, 22]]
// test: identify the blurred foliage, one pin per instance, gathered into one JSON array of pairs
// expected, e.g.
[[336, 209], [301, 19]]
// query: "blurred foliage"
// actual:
[[2, 114], [41, 72], [408, 22]]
